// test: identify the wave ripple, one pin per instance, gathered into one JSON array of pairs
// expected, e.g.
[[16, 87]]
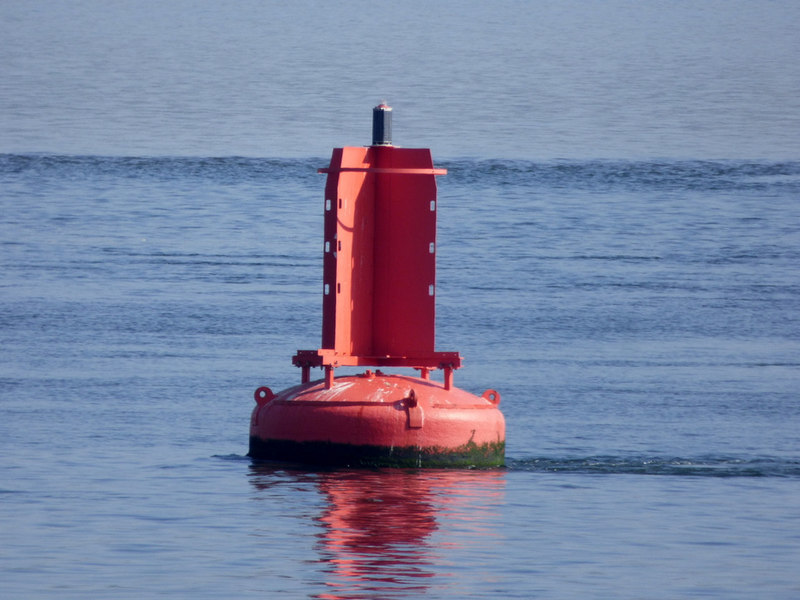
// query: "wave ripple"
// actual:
[[704, 466]]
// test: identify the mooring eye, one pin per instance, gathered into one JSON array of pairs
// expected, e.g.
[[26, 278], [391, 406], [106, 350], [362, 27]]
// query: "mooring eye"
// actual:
[[492, 396], [263, 395]]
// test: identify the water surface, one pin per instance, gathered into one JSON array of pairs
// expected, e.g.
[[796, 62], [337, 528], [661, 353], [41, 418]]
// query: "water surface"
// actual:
[[617, 250]]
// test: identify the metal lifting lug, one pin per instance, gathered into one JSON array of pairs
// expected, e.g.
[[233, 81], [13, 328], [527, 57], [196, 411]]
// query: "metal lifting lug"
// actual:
[[416, 417]]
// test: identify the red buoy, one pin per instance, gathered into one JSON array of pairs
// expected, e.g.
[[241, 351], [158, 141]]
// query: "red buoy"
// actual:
[[378, 310]]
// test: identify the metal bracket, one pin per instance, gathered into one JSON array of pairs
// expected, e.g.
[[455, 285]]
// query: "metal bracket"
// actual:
[[416, 417]]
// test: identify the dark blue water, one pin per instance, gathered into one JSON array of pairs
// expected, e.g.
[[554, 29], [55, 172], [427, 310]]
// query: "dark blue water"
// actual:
[[640, 320], [619, 235]]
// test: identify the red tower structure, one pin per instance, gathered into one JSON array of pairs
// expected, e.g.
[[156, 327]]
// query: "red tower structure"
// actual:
[[378, 309]]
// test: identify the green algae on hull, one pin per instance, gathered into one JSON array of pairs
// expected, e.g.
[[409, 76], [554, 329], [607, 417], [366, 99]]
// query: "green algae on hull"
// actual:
[[470, 455]]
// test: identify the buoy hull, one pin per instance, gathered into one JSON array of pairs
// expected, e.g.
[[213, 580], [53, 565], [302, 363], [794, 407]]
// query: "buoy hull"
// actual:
[[374, 420]]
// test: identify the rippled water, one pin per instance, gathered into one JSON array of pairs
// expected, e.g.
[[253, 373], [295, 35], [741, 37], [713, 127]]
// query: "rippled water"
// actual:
[[638, 318], [511, 79], [160, 247]]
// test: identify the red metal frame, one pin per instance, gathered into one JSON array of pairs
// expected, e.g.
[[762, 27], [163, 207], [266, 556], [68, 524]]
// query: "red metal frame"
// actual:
[[379, 266]]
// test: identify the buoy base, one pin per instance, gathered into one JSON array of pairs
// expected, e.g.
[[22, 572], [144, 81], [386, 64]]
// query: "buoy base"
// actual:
[[377, 420]]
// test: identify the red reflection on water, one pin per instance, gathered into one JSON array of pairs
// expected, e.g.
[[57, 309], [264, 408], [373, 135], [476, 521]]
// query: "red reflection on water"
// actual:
[[378, 525]]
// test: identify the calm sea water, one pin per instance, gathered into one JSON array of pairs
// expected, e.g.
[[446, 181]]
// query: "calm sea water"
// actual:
[[619, 235]]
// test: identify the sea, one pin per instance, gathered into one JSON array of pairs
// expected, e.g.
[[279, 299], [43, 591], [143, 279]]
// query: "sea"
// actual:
[[618, 255]]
